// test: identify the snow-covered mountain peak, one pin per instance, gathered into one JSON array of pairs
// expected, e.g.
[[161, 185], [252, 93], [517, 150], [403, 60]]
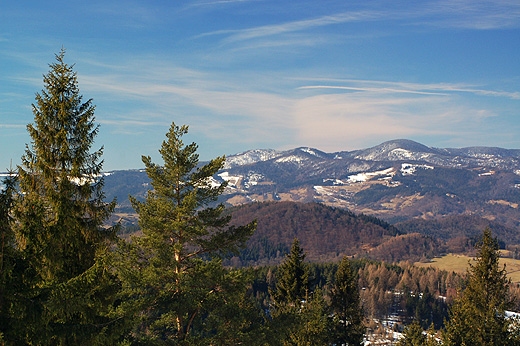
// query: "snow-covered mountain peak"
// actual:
[[312, 151], [250, 156], [399, 149], [395, 150]]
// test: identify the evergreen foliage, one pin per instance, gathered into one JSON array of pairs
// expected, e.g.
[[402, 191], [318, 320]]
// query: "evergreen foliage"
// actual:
[[10, 262], [478, 316], [413, 335], [346, 306], [300, 316], [59, 215], [174, 286], [312, 324], [292, 285]]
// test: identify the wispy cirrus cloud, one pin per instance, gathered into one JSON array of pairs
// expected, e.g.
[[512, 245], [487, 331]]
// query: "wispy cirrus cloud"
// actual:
[[370, 89], [333, 115], [12, 126], [411, 88], [354, 120], [439, 14], [293, 26], [471, 14], [218, 2]]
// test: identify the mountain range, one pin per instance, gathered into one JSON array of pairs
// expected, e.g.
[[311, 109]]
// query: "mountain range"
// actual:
[[401, 182]]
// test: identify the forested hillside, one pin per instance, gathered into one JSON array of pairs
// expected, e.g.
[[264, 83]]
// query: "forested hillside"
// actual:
[[326, 233]]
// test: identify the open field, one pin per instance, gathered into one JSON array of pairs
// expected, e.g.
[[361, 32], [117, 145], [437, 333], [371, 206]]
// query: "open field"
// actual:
[[459, 263]]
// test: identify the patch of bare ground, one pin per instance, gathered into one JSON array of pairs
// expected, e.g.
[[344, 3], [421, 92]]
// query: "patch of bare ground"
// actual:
[[401, 202]]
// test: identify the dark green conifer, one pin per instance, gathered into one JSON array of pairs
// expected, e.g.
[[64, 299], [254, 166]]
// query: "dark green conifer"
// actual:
[[312, 325], [292, 280], [478, 316], [173, 280], [10, 263], [59, 215], [413, 335], [300, 315], [346, 306]]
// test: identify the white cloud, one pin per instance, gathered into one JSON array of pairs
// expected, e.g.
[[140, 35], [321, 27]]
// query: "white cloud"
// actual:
[[300, 25], [218, 2], [334, 121], [409, 88], [333, 116], [439, 14], [473, 14], [12, 126]]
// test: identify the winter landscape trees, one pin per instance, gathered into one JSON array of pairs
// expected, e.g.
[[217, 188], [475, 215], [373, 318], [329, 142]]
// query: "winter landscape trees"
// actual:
[[173, 281], [348, 326], [58, 219], [478, 317], [67, 279]]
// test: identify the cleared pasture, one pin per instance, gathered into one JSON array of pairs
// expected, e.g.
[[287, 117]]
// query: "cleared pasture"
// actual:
[[460, 263]]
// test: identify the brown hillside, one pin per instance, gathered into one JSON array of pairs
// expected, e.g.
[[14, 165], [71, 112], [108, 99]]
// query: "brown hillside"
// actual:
[[325, 233]]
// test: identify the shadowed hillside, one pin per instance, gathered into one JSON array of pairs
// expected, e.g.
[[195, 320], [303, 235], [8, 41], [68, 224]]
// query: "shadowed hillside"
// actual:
[[326, 233]]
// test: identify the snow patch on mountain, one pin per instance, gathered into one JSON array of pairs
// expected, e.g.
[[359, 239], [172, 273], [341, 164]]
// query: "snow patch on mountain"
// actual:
[[365, 176], [335, 181], [362, 177], [313, 152], [292, 159], [253, 179], [401, 153], [250, 157], [409, 169], [232, 180]]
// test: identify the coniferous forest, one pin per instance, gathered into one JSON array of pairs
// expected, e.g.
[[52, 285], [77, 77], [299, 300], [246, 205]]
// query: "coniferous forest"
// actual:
[[66, 278]]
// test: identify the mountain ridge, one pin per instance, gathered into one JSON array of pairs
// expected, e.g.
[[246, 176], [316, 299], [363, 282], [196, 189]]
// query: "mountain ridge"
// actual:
[[393, 150], [399, 181]]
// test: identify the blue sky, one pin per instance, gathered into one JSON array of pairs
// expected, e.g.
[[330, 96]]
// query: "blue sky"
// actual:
[[248, 74]]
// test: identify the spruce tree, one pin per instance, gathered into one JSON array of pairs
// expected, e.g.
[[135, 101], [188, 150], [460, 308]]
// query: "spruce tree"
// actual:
[[59, 215], [173, 279], [478, 316], [299, 315], [9, 263], [413, 335], [346, 306], [431, 337], [312, 325], [292, 280]]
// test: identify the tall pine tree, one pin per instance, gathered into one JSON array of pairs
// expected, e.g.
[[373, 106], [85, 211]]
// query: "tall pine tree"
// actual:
[[59, 215], [300, 315], [346, 306], [478, 316], [10, 264], [173, 281], [292, 280]]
